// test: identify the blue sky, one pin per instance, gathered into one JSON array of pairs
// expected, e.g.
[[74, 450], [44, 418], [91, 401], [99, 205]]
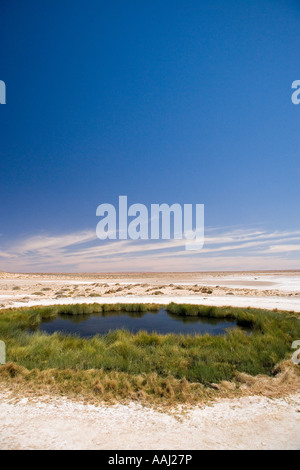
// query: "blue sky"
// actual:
[[162, 101]]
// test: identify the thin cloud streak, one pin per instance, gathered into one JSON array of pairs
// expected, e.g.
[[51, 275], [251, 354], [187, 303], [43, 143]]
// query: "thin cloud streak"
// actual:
[[238, 249]]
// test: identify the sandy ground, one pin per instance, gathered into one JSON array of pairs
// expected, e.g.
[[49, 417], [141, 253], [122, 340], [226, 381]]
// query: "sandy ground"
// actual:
[[279, 290], [244, 423]]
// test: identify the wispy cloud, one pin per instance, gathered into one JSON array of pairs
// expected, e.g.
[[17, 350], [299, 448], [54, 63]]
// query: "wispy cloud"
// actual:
[[234, 249], [283, 248]]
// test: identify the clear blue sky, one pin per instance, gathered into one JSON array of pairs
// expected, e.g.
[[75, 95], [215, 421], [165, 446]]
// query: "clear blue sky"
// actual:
[[163, 101]]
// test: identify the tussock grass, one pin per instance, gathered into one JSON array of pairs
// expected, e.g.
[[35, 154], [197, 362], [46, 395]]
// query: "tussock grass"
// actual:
[[169, 368]]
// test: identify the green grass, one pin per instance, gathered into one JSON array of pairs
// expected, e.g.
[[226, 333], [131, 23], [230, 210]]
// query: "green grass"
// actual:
[[122, 364]]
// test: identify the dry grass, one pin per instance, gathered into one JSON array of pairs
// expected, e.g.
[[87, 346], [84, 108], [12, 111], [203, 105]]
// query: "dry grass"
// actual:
[[97, 386]]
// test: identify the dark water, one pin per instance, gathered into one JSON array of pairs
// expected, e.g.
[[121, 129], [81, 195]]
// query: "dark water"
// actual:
[[160, 322]]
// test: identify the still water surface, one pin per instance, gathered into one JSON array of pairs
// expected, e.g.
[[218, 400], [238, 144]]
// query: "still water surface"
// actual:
[[160, 322]]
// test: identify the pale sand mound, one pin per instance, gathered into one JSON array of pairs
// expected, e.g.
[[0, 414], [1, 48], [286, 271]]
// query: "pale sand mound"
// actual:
[[279, 290], [244, 423]]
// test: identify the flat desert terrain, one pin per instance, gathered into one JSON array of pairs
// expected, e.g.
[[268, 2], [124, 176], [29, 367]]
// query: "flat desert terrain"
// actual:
[[56, 423], [268, 290]]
